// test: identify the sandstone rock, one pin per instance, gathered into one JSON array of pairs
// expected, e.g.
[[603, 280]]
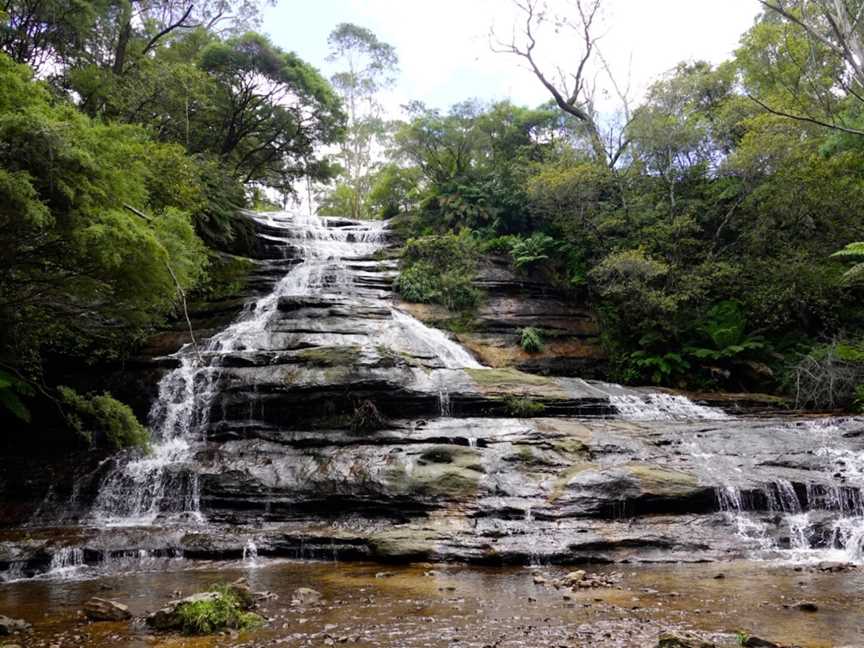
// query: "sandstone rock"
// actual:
[[99, 609], [306, 596], [756, 642], [682, 640], [10, 626]]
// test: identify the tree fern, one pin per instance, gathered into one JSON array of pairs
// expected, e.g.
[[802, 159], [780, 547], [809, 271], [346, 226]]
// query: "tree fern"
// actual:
[[855, 252]]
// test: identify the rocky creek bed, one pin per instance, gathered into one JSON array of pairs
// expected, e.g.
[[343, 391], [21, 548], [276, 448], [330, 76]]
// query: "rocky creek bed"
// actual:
[[448, 605]]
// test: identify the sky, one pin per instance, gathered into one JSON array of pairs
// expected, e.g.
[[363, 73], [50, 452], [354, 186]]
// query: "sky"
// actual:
[[444, 54]]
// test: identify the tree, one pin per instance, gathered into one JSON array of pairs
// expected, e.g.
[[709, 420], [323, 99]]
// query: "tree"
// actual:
[[572, 91], [805, 60], [96, 242], [370, 66]]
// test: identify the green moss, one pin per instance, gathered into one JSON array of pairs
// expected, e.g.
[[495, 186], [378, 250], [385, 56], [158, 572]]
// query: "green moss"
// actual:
[[508, 378], [523, 407], [564, 479], [222, 611], [330, 356]]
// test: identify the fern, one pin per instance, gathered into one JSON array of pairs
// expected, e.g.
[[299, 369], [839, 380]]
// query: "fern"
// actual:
[[531, 339], [855, 252]]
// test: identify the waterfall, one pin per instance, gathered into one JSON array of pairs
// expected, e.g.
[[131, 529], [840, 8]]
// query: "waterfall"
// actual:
[[165, 483], [817, 521]]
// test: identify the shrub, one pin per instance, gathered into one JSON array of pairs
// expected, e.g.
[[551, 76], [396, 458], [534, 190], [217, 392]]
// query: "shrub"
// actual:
[[440, 269], [102, 413], [830, 376], [367, 418], [208, 616], [531, 339], [521, 407]]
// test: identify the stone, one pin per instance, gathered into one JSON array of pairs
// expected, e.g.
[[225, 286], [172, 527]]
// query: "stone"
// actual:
[[10, 626], [168, 618], [682, 640], [807, 606], [99, 609], [306, 596], [756, 642], [574, 577]]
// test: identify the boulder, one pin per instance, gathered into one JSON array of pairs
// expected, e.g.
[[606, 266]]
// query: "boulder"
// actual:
[[306, 596], [682, 640], [10, 626], [99, 609], [168, 618], [756, 642]]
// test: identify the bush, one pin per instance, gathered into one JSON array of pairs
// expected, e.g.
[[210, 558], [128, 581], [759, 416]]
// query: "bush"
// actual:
[[440, 269], [102, 413], [521, 407], [225, 610], [830, 376], [531, 339]]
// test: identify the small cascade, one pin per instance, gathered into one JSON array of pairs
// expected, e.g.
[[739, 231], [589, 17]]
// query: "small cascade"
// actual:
[[663, 407], [250, 553], [817, 521], [451, 354], [66, 562]]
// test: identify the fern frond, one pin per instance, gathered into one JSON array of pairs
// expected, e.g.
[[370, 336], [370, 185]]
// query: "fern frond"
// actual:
[[853, 250]]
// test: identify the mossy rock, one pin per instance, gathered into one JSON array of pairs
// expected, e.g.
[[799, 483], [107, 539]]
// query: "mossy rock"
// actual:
[[564, 479], [664, 482], [511, 382], [441, 471], [330, 356]]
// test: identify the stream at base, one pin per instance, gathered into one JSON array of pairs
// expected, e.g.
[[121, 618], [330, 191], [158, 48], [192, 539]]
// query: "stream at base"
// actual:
[[444, 605]]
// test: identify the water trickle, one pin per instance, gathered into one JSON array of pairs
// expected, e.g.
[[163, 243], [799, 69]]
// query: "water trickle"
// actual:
[[250, 553]]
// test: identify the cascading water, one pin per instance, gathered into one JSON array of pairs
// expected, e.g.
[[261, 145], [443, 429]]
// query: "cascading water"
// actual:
[[165, 483], [814, 522], [662, 407]]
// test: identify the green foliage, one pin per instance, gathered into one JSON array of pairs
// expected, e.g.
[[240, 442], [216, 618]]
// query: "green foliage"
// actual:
[[520, 407], [659, 369], [12, 389], [101, 415], [439, 269], [532, 250], [223, 611], [854, 252], [90, 225], [531, 339]]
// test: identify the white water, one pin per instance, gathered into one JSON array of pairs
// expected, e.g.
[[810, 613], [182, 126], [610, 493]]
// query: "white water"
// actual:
[[663, 407], [825, 523]]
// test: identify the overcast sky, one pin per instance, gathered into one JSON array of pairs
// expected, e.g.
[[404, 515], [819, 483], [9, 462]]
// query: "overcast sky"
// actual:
[[444, 52]]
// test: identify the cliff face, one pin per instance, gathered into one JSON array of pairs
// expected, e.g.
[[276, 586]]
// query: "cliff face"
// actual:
[[512, 302]]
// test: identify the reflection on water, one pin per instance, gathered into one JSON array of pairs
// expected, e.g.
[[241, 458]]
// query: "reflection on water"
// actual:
[[426, 605]]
